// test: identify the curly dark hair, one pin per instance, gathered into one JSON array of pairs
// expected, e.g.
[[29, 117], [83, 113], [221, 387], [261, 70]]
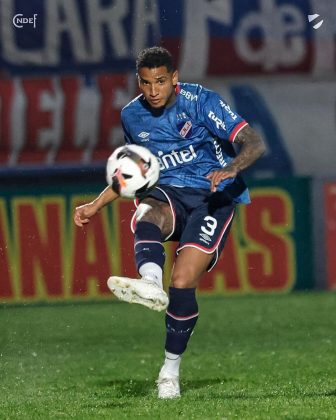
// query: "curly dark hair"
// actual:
[[154, 57]]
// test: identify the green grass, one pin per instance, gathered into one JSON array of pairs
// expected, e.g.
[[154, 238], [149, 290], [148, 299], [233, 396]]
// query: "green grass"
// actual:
[[252, 357]]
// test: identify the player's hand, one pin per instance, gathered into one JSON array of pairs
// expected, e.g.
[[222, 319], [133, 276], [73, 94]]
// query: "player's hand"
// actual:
[[217, 176], [83, 214]]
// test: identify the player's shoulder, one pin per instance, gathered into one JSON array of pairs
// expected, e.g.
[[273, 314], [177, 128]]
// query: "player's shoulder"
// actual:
[[189, 91], [133, 104], [195, 93]]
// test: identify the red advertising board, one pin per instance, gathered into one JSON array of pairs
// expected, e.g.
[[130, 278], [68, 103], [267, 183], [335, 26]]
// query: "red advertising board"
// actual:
[[330, 232], [44, 256]]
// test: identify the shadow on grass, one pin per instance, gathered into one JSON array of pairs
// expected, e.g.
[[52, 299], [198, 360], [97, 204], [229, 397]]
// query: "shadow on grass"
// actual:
[[129, 387], [141, 388], [109, 404], [331, 393]]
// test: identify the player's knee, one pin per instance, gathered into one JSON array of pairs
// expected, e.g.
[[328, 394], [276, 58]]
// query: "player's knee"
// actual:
[[148, 213], [141, 211], [151, 210], [183, 279]]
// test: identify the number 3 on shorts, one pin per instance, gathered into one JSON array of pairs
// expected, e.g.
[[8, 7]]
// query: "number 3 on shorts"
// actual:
[[211, 224]]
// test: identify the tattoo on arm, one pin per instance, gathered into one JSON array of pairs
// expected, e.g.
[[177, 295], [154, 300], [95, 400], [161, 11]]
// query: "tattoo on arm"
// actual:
[[252, 147]]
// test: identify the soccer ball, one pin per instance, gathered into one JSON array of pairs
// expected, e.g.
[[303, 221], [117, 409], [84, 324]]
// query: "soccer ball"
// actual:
[[132, 171]]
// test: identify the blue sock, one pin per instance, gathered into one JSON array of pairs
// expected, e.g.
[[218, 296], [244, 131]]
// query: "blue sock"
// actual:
[[181, 318], [147, 245]]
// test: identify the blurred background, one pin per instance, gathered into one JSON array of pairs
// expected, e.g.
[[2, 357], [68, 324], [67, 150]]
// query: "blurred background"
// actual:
[[67, 67]]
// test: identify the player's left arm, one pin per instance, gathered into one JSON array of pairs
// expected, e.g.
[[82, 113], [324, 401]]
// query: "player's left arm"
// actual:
[[252, 147]]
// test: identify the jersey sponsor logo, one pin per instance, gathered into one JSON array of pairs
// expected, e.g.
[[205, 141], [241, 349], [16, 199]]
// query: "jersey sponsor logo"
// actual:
[[217, 120], [219, 153], [185, 130], [228, 110], [144, 136], [175, 158], [188, 95]]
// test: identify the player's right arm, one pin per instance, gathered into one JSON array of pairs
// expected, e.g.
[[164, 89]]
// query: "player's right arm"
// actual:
[[82, 214]]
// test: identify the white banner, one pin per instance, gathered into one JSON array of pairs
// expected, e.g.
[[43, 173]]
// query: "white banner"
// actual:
[[76, 120], [301, 115]]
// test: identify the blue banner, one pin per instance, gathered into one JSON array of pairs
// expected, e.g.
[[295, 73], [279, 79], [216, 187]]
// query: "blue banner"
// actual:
[[209, 37]]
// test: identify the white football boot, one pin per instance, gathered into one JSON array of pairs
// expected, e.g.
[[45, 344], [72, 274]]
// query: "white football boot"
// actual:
[[168, 386], [142, 291]]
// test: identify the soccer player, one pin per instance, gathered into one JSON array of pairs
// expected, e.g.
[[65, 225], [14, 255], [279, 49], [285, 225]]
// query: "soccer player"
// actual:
[[192, 132]]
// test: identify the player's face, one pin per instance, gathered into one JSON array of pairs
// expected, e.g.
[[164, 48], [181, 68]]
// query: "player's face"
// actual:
[[158, 85]]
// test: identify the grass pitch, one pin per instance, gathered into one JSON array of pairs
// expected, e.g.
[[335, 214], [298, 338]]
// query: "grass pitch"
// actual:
[[251, 357]]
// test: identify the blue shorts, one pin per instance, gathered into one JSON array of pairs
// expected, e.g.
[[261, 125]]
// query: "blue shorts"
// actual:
[[201, 219]]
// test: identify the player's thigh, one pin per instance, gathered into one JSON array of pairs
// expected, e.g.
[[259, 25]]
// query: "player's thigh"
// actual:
[[191, 263], [201, 243], [156, 212]]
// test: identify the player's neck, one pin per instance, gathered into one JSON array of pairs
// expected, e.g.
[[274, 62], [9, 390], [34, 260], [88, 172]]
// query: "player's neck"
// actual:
[[171, 101]]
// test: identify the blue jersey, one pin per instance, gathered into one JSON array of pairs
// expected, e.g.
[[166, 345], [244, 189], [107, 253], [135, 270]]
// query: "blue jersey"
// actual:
[[191, 138]]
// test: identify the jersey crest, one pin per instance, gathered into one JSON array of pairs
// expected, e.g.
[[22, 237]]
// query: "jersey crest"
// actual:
[[185, 128]]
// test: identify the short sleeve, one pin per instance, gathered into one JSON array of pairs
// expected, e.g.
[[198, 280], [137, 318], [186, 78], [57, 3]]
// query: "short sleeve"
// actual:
[[219, 118]]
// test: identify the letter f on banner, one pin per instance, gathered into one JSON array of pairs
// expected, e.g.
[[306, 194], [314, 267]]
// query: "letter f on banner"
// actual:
[[196, 35]]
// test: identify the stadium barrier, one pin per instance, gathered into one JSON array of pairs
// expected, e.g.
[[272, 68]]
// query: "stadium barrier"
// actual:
[[45, 257]]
